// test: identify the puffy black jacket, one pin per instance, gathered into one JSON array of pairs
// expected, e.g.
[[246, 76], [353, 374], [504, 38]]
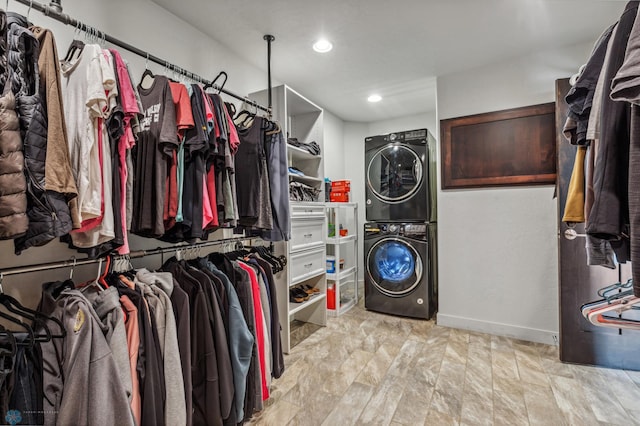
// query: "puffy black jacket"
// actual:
[[48, 211]]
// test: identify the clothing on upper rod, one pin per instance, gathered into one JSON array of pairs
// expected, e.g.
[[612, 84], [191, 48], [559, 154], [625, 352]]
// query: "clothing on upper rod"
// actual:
[[105, 38], [157, 159]]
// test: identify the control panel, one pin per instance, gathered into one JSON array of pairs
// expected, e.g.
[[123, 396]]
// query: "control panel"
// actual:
[[414, 230]]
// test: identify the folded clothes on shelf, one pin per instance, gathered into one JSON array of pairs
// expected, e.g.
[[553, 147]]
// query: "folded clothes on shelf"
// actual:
[[311, 147], [294, 171], [298, 191]]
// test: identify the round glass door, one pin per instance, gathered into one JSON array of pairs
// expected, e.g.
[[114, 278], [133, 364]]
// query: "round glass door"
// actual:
[[394, 267], [394, 173]]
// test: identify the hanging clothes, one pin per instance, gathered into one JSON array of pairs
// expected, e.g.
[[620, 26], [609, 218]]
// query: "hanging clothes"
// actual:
[[49, 215], [252, 180], [80, 367], [278, 172], [156, 145]]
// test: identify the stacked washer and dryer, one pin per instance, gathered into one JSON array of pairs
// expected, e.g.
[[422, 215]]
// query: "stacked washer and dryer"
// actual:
[[400, 232]]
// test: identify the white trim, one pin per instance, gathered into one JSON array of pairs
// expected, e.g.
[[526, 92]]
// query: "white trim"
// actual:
[[529, 334]]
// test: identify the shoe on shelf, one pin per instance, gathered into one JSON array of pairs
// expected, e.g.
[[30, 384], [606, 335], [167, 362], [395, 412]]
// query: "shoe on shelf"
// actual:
[[309, 289], [297, 295]]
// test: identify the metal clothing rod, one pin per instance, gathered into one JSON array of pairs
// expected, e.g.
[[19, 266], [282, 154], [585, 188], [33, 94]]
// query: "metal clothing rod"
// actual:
[[269, 39], [133, 255], [66, 19]]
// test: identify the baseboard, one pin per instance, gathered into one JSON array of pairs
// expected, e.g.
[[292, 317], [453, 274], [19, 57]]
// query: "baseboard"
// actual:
[[498, 329]]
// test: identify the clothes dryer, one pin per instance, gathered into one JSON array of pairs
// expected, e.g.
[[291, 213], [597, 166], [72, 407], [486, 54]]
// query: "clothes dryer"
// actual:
[[400, 185], [400, 269]]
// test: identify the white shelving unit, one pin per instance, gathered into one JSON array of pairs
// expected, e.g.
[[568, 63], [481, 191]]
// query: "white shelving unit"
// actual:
[[306, 251], [343, 283]]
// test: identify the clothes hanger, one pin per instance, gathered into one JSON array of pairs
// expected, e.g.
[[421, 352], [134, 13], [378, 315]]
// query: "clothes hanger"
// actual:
[[76, 46], [267, 256], [610, 290], [596, 316], [28, 329], [100, 280], [602, 320], [147, 78], [245, 117], [594, 313], [12, 342], [15, 307], [213, 82], [609, 294], [12, 305], [5, 299]]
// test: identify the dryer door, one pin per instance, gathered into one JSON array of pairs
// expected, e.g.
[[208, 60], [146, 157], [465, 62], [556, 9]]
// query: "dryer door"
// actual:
[[394, 266], [394, 173]]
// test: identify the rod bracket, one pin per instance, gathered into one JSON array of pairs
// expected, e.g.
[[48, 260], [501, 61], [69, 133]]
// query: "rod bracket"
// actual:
[[56, 5]]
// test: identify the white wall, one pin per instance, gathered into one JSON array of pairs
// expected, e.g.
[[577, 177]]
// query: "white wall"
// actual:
[[333, 155], [498, 266], [148, 27]]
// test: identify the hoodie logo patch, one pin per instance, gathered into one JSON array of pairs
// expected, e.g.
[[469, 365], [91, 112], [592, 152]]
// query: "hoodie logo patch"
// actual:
[[80, 317]]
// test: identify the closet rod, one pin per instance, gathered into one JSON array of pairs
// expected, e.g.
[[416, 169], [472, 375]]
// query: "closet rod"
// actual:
[[133, 255], [66, 19]]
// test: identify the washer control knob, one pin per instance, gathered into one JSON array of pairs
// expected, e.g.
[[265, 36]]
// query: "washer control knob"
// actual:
[[393, 228]]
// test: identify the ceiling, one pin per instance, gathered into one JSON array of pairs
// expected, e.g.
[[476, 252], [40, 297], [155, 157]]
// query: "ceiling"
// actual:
[[393, 48]]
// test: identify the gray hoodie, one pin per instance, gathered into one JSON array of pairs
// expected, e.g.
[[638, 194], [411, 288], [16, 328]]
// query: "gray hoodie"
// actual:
[[81, 380], [106, 303], [156, 288]]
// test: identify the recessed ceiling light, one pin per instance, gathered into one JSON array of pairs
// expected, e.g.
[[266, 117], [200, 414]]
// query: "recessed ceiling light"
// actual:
[[374, 98], [322, 46]]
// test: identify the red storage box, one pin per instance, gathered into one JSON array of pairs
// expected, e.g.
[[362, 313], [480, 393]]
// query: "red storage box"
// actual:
[[339, 197], [341, 186]]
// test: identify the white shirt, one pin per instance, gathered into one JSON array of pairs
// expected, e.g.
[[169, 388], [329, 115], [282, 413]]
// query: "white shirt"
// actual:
[[85, 82]]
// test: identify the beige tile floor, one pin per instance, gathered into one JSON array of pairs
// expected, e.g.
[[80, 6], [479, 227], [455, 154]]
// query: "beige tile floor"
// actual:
[[368, 368]]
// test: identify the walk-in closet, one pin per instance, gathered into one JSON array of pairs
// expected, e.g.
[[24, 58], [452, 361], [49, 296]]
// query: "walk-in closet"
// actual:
[[319, 213]]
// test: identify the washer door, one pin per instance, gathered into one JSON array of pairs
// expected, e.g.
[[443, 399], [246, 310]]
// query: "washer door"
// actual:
[[394, 173], [394, 267]]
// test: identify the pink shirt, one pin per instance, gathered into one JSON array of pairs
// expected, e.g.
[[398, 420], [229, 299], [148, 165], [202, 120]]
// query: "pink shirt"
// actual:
[[259, 316], [127, 140], [207, 212], [133, 341]]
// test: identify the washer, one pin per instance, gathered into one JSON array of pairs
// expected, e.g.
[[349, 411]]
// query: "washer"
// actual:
[[398, 269], [397, 176]]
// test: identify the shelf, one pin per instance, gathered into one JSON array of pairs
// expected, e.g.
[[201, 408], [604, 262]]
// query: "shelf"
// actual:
[[303, 278], [343, 308], [297, 307], [341, 240], [301, 154], [341, 275], [335, 204], [308, 180]]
